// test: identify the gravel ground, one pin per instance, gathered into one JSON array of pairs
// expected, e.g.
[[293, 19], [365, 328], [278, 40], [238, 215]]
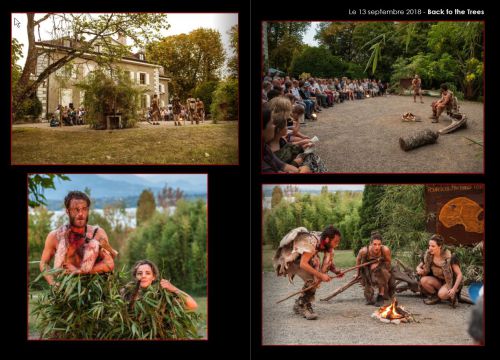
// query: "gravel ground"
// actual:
[[363, 136], [345, 320]]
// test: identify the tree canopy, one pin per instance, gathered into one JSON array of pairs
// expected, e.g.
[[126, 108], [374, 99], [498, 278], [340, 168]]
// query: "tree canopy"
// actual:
[[450, 52], [88, 30], [189, 59]]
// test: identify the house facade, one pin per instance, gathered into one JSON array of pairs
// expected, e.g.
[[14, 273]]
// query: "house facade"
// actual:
[[59, 88]]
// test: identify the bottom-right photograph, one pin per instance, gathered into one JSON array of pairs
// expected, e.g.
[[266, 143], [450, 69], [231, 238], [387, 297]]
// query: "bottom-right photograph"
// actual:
[[373, 264]]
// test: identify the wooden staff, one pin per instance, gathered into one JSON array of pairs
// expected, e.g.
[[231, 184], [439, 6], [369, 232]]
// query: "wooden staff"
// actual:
[[331, 277], [343, 288]]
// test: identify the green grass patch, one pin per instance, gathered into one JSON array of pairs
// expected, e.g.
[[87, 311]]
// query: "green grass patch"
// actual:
[[343, 258], [203, 310], [203, 144]]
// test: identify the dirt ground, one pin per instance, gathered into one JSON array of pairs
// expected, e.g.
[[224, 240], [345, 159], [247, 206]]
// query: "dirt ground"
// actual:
[[346, 320], [362, 136]]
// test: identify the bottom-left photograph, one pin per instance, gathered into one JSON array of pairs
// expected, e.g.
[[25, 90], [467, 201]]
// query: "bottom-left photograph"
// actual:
[[117, 256]]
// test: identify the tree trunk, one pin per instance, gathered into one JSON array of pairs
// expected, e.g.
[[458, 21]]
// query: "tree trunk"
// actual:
[[417, 139]]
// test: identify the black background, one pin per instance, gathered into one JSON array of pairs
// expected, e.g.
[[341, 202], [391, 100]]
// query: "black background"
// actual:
[[234, 199]]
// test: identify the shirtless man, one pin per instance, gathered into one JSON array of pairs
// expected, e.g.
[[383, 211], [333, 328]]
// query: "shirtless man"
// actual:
[[176, 110], [191, 109], [200, 109], [77, 247], [440, 105], [417, 88]]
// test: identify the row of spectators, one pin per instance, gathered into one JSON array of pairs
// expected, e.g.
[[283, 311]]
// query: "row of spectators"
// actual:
[[314, 94]]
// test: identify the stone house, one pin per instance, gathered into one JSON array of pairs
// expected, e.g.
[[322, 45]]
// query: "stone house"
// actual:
[[59, 87]]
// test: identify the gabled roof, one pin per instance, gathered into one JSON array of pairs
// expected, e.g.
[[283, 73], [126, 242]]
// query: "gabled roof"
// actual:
[[62, 43]]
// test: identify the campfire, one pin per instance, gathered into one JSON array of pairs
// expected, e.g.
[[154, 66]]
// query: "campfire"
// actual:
[[393, 314]]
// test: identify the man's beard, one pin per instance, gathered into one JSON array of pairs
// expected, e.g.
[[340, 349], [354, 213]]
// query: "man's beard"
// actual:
[[72, 221]]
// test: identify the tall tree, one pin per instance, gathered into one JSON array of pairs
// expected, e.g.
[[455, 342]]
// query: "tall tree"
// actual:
[[337, 37], [189, 59], [277, 196], [232, 63], [146, 206], [169, 196], [317, 61], [87, 30], [369, 215], [283, 40]]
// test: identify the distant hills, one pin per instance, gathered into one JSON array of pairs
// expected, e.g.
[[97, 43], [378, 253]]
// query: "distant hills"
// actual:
[[110, 188]]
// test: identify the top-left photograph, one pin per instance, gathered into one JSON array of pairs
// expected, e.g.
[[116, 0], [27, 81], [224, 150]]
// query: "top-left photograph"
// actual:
[[124, 88]]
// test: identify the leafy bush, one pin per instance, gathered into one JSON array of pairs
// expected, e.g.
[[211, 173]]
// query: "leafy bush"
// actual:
[[205, 92], [225, 101], [30, 108], [317, 61], [91, 307], [471, 262], [103, 94]]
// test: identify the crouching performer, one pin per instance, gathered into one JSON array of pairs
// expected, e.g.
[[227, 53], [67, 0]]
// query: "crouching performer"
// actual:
[[441, 275], [378, 275], [298, 254]]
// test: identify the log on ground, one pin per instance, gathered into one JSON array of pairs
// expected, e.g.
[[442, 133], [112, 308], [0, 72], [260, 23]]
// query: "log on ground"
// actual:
[[420, 138]]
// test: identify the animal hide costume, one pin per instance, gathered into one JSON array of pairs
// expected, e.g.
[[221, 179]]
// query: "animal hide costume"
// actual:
[[75, 248], [378, 277], [287, 259], [443, 272]]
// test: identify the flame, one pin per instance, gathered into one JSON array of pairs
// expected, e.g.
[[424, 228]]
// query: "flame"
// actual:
[[390, 311]]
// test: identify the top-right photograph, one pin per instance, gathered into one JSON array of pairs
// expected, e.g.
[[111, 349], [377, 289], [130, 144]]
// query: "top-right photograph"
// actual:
[[373, 97]]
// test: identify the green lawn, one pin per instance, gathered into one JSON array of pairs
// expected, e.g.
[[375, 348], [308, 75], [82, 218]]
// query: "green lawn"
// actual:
[[343, 258], [204, 144]]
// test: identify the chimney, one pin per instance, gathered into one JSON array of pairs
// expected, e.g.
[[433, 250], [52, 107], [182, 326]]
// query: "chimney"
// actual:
[[122, 39]]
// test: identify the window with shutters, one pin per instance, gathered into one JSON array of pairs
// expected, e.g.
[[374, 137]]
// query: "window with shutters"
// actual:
[[142, 78]]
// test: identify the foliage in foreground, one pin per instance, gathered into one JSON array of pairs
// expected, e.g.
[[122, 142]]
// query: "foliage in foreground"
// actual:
[[91, 307]]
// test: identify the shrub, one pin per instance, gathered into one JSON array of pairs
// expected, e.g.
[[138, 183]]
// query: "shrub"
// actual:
[[225, 101], [104, 93], [91, 307], [205, 92], [30, 109]]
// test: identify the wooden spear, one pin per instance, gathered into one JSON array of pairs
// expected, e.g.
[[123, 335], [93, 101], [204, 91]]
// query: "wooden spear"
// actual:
[[331, 277], [343, 288]]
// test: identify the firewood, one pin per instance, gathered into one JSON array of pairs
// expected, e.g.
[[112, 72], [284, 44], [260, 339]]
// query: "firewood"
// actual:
[[417, 139]]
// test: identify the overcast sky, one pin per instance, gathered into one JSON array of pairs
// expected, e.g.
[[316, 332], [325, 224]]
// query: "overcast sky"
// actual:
[[309, 35], [179, 23]]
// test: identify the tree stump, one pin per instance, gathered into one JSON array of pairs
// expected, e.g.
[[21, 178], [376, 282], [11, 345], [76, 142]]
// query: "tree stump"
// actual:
[[417, 139]]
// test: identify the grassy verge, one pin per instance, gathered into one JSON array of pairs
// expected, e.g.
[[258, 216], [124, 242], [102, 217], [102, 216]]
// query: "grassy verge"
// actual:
[[204, 144], [343, 258]]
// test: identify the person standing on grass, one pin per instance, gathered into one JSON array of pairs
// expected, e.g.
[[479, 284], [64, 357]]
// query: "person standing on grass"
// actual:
[[155, 110]]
